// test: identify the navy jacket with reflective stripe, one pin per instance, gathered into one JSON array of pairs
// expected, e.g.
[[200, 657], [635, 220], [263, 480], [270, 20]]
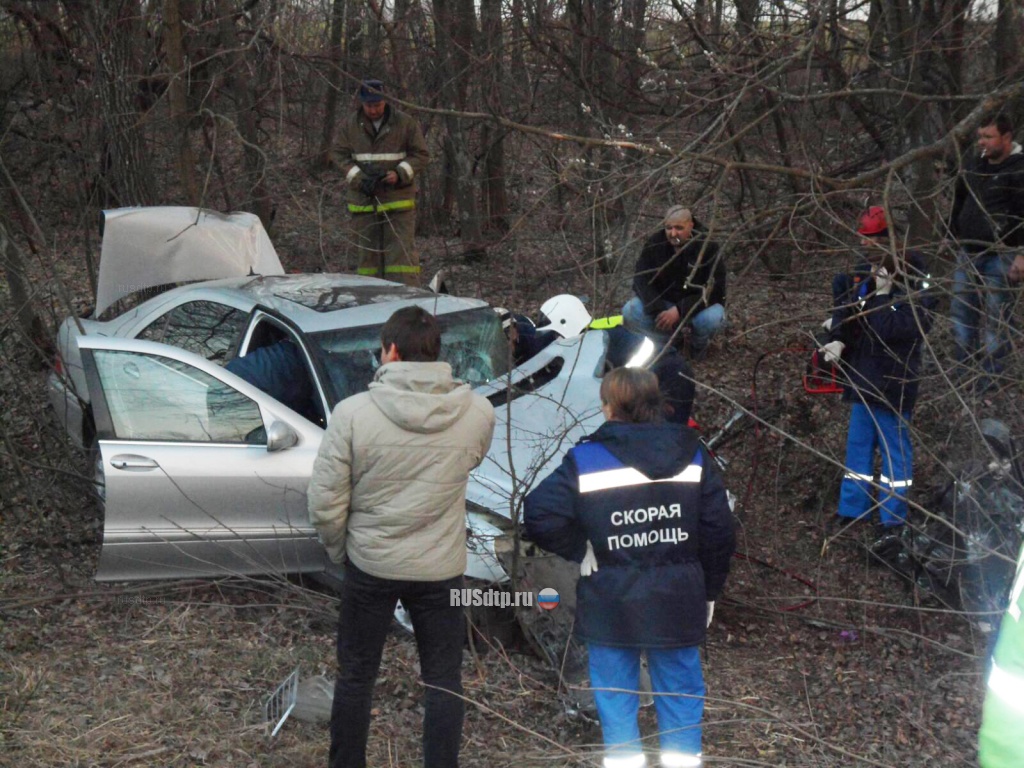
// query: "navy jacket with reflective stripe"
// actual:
[[884, 336], [653, 506]]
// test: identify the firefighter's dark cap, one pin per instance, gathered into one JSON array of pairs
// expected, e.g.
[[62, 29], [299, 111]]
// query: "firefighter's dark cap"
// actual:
[[371, 91]]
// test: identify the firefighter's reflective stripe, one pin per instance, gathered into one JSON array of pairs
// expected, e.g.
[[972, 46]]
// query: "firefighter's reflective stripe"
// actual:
[[352, 173], [389, 269], [409, 173], [397, 205], [671, 759], [1007, 686], [625, 761], [604, 323], [600, 470], [379, 157]]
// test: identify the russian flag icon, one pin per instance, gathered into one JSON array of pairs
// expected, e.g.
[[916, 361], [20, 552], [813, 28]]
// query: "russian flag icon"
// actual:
[[547, 599]]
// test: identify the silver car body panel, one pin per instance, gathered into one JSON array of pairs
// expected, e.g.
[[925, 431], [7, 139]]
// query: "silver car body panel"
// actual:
[[181, 509], [190, 509], [146, 247]]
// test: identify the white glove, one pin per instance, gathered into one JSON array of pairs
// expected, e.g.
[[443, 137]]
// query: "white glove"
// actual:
[[711, 611], [827, 325], [883, 282], [833, 351], [589, 563]]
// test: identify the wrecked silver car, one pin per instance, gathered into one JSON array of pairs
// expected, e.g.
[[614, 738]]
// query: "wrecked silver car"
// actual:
[[200, 472]]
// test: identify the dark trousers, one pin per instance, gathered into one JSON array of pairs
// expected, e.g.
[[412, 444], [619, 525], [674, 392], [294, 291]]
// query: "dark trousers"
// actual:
[[367, 608]]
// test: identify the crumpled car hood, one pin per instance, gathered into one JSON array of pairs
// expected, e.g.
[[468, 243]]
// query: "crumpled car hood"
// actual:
[[146, 247]]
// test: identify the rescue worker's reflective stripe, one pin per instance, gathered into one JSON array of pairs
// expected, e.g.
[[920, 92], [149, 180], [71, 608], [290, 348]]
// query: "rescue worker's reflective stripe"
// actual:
[[627, 476], [604, 323], [409, 173], [1007, 686], [600, 470], [858, 476], [368, 271], [642, 355], [396, 205], [625, 761], [352, 173], [895, 483], [671, 759], [379, 157]]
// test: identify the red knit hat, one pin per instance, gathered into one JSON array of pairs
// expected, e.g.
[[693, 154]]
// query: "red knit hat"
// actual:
[[872, 221]]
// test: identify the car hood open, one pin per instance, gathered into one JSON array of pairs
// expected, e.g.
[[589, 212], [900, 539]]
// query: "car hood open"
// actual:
[[150, 246]]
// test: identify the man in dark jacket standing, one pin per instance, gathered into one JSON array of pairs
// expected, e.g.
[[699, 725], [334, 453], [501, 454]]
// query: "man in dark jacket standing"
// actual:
[[640, 505], [381, 151], [679, 280], [987, 221], [877, 329]]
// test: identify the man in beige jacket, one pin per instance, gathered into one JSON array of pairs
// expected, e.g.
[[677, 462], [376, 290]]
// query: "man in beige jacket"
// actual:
[[388, 495]]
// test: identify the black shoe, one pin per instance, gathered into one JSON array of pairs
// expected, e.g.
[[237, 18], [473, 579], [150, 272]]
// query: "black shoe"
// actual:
[[887, 547]]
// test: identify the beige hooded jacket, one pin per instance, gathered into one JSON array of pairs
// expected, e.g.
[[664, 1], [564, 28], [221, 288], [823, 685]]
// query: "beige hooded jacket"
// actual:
[[389, 483]]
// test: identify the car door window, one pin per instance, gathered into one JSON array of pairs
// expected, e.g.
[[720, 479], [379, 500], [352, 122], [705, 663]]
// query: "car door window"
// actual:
[[205, 328], [156, 398]]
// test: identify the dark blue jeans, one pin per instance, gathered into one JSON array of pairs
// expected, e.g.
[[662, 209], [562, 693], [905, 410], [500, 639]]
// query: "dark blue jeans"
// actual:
[[367, 608], [982, 308]]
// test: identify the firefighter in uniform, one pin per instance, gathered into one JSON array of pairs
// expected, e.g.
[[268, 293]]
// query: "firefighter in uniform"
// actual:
[[381, 151], [876, 333], [999, 743], [640, 505]]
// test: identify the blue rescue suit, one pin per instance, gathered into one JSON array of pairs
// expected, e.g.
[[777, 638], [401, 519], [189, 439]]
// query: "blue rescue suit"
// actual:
[[881, 366], [653, 507]]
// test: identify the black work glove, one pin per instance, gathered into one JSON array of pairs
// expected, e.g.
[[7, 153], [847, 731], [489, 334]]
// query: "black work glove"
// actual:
[[368, 186]]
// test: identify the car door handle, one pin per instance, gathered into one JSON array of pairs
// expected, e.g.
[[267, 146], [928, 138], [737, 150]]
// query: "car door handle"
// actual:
[[130, 462]]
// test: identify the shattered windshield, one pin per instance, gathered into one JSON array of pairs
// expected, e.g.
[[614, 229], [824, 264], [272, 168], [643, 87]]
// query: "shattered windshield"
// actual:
[[472, 342]]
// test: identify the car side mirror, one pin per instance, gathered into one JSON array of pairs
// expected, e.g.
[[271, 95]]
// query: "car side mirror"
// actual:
[[280, 436]]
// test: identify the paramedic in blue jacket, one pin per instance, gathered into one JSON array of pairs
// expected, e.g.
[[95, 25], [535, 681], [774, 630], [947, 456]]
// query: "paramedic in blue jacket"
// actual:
[[878, 323], [641, 506]]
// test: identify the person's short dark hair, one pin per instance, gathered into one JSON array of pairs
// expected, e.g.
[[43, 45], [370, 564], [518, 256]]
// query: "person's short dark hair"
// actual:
[[632, 394], [1000, 120], [371, 91], [415, 333]]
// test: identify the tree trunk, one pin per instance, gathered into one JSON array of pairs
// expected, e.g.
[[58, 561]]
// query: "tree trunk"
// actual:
[[519, 74], [492, 139], [335, 81], [178, 98], [455, 23], [21, 293], [125, 175], [242, 87], [1007, 42]]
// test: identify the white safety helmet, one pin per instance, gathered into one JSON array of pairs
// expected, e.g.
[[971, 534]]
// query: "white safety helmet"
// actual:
[[565, 315]]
